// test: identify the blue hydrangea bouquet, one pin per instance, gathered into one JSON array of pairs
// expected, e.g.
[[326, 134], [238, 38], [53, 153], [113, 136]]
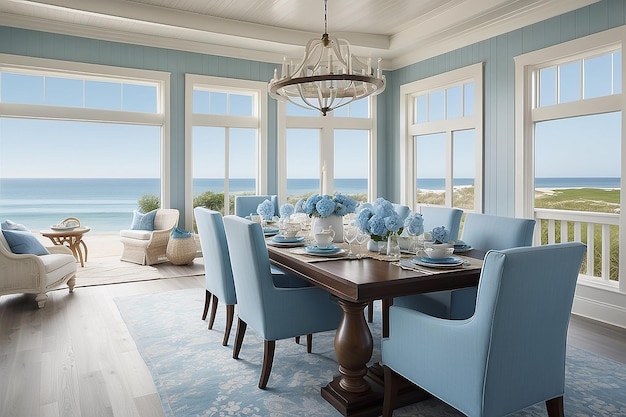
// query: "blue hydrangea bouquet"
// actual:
[[325, 205], [379, 220]]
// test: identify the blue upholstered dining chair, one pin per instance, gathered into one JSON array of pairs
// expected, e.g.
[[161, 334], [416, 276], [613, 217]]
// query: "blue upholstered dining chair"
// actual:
[[510, 354], [247, 204], [274, 313], [435, 216], [220, 285], [402, 210], [217, 268], [483, 232]]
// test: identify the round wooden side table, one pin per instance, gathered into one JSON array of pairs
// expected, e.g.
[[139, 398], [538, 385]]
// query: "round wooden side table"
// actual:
[[72, 238]]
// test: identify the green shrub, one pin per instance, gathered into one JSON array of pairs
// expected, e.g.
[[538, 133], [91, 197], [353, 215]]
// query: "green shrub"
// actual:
[[148, 202], [210, 200]]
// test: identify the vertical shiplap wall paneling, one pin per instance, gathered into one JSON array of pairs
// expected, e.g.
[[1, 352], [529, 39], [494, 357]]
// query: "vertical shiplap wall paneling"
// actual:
[[178, 63], [497, 54]]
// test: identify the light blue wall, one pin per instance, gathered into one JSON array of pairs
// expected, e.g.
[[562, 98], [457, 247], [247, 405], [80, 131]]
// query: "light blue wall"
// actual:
[[496, 54]]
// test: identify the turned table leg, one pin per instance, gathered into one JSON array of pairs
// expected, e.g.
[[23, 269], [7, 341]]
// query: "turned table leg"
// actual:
[[353, 347]]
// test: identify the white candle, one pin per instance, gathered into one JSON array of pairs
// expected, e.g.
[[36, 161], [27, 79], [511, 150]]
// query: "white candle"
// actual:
[[323, 184]]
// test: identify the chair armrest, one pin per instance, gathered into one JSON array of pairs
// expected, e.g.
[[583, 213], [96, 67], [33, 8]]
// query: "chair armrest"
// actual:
[[21, 271], [436, 346], [160, 237]]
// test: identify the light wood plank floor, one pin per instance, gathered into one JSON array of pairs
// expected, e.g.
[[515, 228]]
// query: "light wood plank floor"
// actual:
[[76, 357]]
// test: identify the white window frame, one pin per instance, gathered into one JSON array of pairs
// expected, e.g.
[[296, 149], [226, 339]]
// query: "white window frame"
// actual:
[[593, 299], [327, 126], [257, 121], [51, 67], [408, 130]]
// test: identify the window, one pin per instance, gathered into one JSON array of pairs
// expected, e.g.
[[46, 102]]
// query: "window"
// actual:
[[226, 140], [92, 136], [570, 139], [327, 154], [442, 140]]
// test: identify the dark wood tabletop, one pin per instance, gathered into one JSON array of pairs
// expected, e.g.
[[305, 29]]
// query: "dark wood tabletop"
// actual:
[[370, 279]]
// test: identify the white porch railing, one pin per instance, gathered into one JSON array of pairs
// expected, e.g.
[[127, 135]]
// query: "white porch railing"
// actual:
[[600, 231]]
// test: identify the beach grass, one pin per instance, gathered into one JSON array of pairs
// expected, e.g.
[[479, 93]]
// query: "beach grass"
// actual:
[[584, 199]]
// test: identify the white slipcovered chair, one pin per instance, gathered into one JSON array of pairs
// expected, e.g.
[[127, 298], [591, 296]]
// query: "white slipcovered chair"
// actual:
[[35, 274], [147, 247]]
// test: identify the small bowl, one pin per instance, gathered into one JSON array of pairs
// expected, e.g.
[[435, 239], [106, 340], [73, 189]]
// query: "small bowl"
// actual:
[[439, 253]]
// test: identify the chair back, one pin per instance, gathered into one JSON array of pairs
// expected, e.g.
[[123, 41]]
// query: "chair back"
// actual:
[[247, 204], [435, 216], [166, 219], [217, 268], [402, 210], [251, 272], [524, 302], [485, 232]]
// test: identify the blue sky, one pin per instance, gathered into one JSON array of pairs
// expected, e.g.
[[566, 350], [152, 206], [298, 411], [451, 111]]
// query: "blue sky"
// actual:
[[585, 146]]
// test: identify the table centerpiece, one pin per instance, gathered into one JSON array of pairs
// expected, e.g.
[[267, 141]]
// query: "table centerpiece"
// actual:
[[327, 211], [380, 221]]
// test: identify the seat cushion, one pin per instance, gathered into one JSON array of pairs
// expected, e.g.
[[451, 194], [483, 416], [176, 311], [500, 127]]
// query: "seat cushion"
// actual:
[[56, 261], [136, 234], [24, 242], [58, 266]]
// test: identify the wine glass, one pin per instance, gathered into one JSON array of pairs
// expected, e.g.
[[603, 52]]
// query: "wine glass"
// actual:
[[349, 235], [361, 238]]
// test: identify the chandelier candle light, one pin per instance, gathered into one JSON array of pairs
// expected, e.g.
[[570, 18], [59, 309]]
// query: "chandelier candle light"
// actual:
[[328, 77]]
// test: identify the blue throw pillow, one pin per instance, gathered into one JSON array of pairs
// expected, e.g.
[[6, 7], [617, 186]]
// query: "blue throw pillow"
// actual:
[[23, 242], [143, 221]]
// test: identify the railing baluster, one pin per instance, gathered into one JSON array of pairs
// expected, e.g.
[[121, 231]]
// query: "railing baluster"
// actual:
[[577, 232], [590, 249], [606, 252], [551, 232], [564, 236]]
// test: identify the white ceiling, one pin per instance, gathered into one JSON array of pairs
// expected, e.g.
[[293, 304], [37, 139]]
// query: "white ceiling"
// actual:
[[399, 31]]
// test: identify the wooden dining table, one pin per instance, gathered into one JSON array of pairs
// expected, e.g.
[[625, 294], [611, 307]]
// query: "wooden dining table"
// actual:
[[358, 389]]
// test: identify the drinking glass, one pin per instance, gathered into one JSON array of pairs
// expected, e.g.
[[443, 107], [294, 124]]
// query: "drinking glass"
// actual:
[[361, 238], [349, 235]]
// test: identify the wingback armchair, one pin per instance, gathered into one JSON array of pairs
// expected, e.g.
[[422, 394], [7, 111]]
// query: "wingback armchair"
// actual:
[[36, 274], [147, 247], [510, 354]]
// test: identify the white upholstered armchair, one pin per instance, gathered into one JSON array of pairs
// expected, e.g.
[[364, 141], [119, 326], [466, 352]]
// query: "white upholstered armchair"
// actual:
[[33, 274], [147, 247]]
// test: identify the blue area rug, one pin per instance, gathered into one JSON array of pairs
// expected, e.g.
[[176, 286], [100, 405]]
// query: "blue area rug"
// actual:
[[196, 376]]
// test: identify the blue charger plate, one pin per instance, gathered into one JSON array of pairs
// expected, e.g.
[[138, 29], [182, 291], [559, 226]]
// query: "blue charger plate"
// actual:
[[320, 251], [284, 239]]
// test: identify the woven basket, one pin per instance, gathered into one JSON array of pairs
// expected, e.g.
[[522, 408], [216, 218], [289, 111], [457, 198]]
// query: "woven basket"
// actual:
[[181, 251]]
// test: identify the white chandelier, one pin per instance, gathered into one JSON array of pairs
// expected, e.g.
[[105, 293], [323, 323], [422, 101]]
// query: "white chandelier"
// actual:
[[328, 77]]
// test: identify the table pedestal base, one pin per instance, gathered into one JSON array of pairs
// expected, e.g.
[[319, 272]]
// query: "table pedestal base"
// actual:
[[370, 403]]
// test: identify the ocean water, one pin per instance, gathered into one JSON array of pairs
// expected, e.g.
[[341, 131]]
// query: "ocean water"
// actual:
[[107, 204]]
